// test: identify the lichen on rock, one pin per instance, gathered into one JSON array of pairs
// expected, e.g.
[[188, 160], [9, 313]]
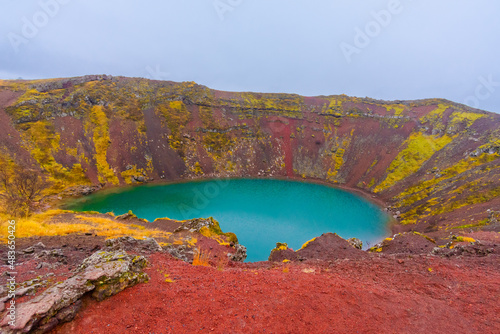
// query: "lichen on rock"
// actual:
[[103, 274]]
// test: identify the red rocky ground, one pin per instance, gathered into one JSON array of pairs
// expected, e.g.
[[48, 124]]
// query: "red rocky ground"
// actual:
[[388, 294]]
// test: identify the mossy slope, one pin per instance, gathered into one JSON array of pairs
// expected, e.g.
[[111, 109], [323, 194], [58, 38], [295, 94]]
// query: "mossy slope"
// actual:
[[427, 158]]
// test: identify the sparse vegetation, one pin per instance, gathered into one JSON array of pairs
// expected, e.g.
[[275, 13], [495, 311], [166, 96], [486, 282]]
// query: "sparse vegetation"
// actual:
[[21, 189]]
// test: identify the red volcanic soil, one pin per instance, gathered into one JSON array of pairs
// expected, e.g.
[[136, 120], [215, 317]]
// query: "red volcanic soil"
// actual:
[[386, 294]]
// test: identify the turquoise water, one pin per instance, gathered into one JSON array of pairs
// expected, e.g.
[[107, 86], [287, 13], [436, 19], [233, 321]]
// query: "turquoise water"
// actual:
[[260, 211]]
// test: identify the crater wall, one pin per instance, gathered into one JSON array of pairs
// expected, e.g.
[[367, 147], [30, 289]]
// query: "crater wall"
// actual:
[[433, 162]]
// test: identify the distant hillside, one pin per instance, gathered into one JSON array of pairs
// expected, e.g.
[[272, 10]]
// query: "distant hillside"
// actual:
[[434, 161]]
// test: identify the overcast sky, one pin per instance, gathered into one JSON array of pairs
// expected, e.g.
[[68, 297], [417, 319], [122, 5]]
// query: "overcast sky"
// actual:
[[386, 49]]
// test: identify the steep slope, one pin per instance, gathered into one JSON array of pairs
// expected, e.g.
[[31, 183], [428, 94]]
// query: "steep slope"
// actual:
[[433, 161]]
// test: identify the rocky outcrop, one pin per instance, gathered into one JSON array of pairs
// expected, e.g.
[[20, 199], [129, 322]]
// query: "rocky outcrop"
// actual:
[[198, 224], [82, 190], [282, 253], [129, 244], [128, 215], [103, 274], [328, 246], [181, 252], [205, 235], [405, 243]]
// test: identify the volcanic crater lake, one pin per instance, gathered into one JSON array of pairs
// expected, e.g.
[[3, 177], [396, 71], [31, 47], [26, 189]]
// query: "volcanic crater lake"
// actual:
[[260, 211]]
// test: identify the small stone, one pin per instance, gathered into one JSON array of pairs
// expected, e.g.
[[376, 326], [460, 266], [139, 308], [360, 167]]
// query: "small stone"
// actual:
[[356, 243], [39, 245], [28, 250], [24, 291]]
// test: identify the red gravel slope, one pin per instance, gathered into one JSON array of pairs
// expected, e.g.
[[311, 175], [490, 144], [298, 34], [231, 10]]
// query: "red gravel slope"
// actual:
[[387, 294]]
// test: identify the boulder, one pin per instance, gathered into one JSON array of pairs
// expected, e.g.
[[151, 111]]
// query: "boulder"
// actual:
[[128, 215], [195, 225], [103, 274], [148, 245], [240, 254], [356, 243], [181, 252]]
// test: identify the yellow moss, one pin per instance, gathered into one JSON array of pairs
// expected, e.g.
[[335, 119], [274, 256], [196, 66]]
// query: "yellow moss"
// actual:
[[37, 225], [398, 109], [418, 149], [196, 169], [481, 223], [462, 116], [423, 235], [216, 234], [217, 143], [424, 188], [72, 151], [30, 95], [101, 142], [128, 174], [475, 198], [465, 239], [341, 145], [281, 246], [334, 108], [372, 182], [284, 104], [435, 117], [307, 243], [176, 116], [42, 142], [110, 228], [167, 278], [191, 241]]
